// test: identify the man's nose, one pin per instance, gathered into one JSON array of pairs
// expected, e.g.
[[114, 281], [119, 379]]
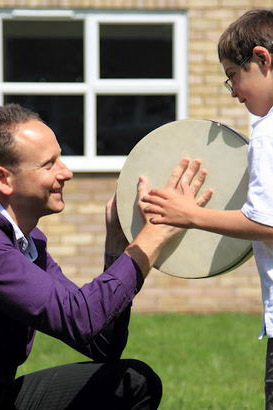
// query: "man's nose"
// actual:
[[64, 173]]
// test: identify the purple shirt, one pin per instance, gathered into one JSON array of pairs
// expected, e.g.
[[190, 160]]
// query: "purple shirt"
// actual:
[[92, 319]]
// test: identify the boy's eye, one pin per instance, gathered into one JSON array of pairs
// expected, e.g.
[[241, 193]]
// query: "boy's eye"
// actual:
[[230, 76]]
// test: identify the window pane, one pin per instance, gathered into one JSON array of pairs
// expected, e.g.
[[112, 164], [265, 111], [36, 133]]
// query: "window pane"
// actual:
[[122, 120], [43, 51], [136, 51], [64, 114]]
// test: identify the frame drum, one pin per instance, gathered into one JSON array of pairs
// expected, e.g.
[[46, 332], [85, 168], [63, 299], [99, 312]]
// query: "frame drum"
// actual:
[[192, 253]]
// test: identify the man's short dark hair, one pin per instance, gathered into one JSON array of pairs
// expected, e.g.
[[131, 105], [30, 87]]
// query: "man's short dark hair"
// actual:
[[254, 28], [11, 115]]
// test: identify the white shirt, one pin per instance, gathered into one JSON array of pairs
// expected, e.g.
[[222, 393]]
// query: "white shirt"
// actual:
[[259, 208], [26, 244]]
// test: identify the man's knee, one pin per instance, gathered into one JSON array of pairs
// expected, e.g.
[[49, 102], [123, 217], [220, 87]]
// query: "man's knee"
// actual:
[[143, 381], [146, 372]]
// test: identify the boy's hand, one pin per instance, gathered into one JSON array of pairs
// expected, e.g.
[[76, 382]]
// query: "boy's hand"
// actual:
[[148, 244], [176, 203], [167, 231]]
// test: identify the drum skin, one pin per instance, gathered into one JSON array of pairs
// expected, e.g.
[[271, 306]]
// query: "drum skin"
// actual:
[[193, 253]]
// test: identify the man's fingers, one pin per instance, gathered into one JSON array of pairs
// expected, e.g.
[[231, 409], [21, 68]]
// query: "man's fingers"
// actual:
[[199, 181], [111, 204], [185, 171], [142, 187], [177, 173], [191, 171]]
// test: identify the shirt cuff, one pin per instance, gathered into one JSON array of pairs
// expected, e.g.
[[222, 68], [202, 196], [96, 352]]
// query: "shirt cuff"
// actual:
[[128, 272]]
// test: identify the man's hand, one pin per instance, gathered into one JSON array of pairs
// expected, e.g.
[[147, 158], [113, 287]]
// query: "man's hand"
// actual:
[[116, 241], [146, 247], [174, 204]]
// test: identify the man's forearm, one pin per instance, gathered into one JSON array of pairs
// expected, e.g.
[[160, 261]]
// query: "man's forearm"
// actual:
[[146, 247]]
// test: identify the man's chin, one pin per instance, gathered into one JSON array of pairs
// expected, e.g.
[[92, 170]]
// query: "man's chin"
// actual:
[[55, 209]]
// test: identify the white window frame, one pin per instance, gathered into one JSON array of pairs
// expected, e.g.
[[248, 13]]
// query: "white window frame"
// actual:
[[93, 85]]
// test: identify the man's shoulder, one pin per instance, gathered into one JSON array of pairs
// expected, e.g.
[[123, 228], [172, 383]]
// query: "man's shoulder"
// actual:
[[36, 233], [39, 238]]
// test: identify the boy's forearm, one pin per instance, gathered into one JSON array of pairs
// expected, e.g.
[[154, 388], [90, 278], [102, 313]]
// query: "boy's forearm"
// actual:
[[230, 223]]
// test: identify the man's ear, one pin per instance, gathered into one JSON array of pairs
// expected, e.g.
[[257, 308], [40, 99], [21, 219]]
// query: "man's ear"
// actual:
[[5, 181], [263, 56]]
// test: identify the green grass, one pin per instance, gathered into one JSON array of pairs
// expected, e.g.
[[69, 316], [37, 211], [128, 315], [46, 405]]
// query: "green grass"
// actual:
[[206, 362]]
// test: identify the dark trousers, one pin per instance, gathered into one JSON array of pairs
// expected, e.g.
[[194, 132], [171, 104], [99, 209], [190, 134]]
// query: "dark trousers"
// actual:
[[269, 376], [122, 385]]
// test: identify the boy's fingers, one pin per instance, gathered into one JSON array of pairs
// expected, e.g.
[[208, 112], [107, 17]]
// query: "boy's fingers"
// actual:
[[158, 193], [151, 199], [158, 219], [205, 198], [153, 209]]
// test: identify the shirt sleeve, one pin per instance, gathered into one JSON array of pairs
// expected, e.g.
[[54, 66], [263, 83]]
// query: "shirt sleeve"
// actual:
[[110, 342], [259, 204], [47, 301]]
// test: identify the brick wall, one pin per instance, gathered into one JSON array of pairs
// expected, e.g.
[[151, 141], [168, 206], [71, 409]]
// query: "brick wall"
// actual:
[[76, 239], [77, 235]]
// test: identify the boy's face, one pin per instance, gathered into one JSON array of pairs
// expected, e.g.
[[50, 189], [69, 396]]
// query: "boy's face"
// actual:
[[252, 84]]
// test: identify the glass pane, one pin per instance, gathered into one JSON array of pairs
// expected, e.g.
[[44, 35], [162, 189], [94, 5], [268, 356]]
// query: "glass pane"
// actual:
[[122, 120], [136, 51], [64, 114], [43, 51]]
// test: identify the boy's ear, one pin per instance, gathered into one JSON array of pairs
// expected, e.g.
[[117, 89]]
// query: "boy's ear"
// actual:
[[263, 56], [5, 182]]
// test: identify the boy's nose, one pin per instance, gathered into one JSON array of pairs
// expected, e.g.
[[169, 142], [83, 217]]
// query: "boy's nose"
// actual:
[[234, 92]]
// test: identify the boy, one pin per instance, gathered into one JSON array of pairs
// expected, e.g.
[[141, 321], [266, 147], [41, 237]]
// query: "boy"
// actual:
[[246, 53]]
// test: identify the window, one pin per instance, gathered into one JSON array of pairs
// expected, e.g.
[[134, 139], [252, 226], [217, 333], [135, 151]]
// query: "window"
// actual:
[[101, 81]]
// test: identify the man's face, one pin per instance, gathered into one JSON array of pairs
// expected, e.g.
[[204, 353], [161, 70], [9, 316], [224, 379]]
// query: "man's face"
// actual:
[[37, 186]]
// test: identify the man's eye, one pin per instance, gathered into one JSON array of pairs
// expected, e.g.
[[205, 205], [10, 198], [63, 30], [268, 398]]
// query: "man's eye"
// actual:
[[48, 165]]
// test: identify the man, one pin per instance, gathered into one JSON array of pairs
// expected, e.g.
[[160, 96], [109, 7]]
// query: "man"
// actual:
[[35, 295]]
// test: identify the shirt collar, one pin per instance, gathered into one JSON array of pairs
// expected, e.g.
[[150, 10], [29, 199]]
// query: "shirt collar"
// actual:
[[259, 119], [18, 233], [26, 244]]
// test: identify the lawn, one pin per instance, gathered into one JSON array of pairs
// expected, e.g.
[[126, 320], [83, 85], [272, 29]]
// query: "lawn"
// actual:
[[206, 362]]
